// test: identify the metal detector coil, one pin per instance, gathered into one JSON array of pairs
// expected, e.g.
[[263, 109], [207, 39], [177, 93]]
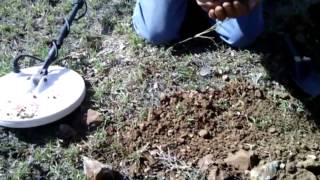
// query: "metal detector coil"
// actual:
[[39, 95]]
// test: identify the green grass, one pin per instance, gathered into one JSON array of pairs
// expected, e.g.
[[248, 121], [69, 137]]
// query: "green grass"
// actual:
[[122, 84]]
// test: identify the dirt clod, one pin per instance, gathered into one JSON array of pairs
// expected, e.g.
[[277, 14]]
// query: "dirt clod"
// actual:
[[240, 160]]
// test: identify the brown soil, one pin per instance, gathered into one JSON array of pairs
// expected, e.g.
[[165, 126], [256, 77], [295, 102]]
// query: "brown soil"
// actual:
[[193, 124]]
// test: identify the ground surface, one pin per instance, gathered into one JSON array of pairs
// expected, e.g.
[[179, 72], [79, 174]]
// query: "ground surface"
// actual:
[[164, 109]]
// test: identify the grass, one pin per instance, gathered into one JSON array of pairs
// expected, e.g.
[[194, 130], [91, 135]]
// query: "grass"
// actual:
[[125, 81]]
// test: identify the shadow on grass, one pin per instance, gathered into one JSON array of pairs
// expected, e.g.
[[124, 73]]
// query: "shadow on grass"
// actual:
[[276, 59], [279, 65]]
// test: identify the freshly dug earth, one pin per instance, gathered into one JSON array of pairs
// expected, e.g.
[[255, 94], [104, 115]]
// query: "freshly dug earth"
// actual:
[[189, 125]]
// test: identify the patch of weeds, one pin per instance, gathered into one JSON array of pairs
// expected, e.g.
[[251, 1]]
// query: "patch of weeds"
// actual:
[[185, 73], [59, 162], [4, 64], [260, 122], [223, 104], [179, 109], [22, 171]]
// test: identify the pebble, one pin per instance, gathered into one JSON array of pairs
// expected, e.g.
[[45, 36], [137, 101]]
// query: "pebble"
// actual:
[[170, 132], [272, 130], [205, 162], [204, 133], [315, 147], [265, 172], [225, 77], [282, 166], [291, 168]]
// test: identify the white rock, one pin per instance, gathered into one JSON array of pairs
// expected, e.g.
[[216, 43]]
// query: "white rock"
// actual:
[[265, 172]]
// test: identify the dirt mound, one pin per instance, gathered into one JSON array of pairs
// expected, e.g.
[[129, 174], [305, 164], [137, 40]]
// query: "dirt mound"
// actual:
[[190, 125]]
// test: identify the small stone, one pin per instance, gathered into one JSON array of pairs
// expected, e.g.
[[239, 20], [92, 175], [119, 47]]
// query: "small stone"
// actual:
[[225, 77], [309, 164], [242, 160], [216, 174], [265, 172], [312, 157], [66, 132], [291, 168], [204, 134], [205, 162], [94, 170], [272, 130], [162, 96], [183, 151], [93, 117], [181, 140], [282, 166], [303, 174], [170, 132], [258, 93], [315, 146]]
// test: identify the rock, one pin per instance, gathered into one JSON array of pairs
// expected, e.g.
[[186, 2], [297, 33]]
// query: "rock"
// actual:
[[242, 160], [258, 93], [66, 132], [315, 147], [291, 168], [170, 132], [205, 71], [93, 117], [225, 77], [216, 174], [205, 162], [94, 170], [312, 157], [272, 130], [204, 134], [309, 164], [265, 172], [303, 174], [162, 96], [282, 166]]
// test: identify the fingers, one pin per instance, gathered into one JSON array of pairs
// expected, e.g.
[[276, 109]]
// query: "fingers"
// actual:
[[229, 10], [212, 14], [219, 12], [206, 5]]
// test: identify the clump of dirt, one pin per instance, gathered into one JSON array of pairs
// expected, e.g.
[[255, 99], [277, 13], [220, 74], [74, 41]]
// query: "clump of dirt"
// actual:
[[193, 124]]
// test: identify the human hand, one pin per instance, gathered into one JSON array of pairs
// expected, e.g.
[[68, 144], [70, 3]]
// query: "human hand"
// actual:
[[206, 5], [222, 9]]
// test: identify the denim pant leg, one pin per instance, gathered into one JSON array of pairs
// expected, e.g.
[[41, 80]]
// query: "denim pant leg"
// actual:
[[159, 21], [242, 31]]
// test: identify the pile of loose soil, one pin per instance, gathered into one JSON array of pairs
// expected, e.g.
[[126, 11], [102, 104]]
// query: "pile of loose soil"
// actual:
[[192, 124]]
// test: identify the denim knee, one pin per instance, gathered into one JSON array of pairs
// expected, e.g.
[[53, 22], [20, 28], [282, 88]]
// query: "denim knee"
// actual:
[[243, 31], [159, 21]]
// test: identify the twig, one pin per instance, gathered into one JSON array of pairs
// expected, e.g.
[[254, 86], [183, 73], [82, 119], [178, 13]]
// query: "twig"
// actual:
[[199, 35]]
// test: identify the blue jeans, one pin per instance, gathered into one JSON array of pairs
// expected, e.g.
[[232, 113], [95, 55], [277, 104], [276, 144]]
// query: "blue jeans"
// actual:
[[160, 21]]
